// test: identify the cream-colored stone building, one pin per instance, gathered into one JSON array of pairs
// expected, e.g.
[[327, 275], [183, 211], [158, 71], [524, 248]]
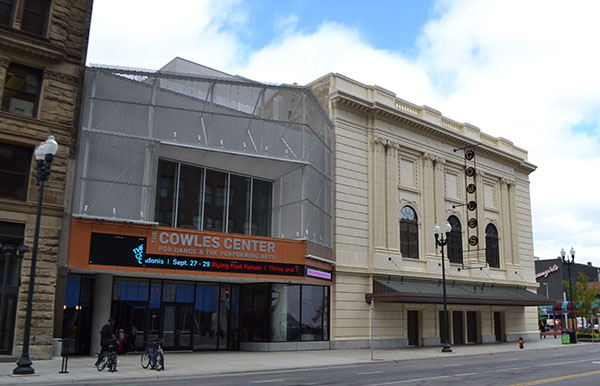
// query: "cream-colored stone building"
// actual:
[[399, 170], [42, 55]]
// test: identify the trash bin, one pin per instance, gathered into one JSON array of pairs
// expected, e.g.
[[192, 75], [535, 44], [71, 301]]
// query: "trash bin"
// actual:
[[572, 337], [566, 338]]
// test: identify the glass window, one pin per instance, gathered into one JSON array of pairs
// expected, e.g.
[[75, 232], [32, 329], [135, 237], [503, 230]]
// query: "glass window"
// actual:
[[130, 289], [285, 312], [15, 163], [262, 192], [239, 204], [409, 233], [206, 317], [214, 206], [165, 193], [21, 90], [455, 248], [178, 292], [6, 11], [255, 314], [492, 254], [35, 16], [314, 310], [189, 197]]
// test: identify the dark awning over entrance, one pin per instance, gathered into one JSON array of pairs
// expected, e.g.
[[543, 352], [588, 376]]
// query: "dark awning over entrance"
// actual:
[[430, 291]]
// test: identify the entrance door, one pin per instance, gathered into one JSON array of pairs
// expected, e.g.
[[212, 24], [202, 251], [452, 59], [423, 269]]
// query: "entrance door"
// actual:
[[458, 327], [498, 326], [177, 326], [471, 327], [413, 328]]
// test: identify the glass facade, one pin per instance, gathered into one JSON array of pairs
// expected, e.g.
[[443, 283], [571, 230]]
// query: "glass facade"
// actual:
[[197, 198], [199, 315]]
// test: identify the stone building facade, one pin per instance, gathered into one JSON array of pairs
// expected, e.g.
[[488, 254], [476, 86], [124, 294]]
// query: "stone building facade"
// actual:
[[399, 170], [43, 45]]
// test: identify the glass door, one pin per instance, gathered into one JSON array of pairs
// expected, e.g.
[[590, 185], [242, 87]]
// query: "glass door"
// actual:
[[229, 317], [177, 326]]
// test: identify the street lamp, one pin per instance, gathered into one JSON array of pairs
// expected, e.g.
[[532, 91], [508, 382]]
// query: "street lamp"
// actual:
[[569, 263], [440, 241], [44, 154]]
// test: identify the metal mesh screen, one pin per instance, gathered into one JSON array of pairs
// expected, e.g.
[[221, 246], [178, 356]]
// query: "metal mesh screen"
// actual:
[[128, 113]]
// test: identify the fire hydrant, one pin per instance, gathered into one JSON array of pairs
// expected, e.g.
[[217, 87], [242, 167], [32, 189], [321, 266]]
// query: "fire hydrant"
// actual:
[[521, 342]]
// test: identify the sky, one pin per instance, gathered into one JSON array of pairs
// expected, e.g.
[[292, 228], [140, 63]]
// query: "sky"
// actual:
[[527, 71]]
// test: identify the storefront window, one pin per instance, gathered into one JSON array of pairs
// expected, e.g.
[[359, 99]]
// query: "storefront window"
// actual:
[[130, 289], [178, 292], [314, 311], [285, 312], [255, 311], [206, 317]]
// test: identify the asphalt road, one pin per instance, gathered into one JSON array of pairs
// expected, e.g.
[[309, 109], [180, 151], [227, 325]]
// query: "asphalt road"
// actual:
[[575, 365]]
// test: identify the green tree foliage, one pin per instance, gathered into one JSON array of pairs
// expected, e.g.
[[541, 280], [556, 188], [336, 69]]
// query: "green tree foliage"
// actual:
[[583, 294]]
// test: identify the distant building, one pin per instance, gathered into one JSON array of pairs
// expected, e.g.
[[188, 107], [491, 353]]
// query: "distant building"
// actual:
[[550, 274], [43, 46]]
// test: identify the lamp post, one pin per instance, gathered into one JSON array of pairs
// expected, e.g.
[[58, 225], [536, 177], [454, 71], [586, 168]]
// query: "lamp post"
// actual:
[[44, 154], [440, 241], [569, 263]]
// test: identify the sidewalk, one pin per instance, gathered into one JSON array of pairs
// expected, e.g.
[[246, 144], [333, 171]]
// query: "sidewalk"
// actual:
[[178, 365]]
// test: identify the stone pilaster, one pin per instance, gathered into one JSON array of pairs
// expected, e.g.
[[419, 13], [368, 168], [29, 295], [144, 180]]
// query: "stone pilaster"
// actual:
[[429, 209], [393, 212], [379, 194]]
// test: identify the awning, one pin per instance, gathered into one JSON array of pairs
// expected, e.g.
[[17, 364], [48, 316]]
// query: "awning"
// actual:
[[400, 290]]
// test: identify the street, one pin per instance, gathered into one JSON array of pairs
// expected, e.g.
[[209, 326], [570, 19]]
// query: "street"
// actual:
[[574, 365]]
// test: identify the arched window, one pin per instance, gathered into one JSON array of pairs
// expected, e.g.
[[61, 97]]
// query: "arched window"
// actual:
[[455, 248], [492, 254], [409, 233]]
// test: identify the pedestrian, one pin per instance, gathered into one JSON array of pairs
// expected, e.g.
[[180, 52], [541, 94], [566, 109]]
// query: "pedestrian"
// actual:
[[133, 331], [106, 335]]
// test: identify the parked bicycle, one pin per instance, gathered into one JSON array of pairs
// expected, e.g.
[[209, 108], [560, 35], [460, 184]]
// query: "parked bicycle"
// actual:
[[153, 356], [108, 358]]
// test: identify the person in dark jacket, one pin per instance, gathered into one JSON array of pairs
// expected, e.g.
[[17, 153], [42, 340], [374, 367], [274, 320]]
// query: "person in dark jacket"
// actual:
[[106, 335]]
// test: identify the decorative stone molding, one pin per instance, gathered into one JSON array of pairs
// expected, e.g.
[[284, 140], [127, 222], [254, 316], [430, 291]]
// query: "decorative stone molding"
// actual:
[[4, 62], [507, 181], [387, 143], [60, 77]]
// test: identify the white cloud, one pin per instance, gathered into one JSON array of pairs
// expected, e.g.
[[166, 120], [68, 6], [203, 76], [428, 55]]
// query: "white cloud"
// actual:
[[523, 70]]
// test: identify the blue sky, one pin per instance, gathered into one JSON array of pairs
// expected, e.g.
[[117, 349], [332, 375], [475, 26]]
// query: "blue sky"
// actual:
[[396, 29], [523, 70]]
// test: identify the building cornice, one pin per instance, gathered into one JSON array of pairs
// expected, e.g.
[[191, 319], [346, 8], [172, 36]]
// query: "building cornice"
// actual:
[[407, 117]]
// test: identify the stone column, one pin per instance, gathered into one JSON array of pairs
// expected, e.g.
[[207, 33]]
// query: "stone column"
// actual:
[[429, 216], [101, 312], [4, 62], [379, 194]]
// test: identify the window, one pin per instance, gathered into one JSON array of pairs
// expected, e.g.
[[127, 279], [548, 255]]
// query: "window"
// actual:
[[6, 11], [455, 248], [21, 90], [409, 233], [492, 254], [33, 15], [15, 163], [197, 198]]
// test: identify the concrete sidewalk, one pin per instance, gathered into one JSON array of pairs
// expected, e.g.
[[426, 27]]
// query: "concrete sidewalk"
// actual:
[[178, 365]]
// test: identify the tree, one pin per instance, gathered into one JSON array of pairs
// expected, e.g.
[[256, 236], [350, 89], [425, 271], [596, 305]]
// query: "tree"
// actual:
[[583, 294]]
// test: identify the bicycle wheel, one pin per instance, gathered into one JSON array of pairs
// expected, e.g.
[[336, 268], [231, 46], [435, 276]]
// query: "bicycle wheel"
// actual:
[[102, 361], [160, 361], [112, 361], [145, 359]]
